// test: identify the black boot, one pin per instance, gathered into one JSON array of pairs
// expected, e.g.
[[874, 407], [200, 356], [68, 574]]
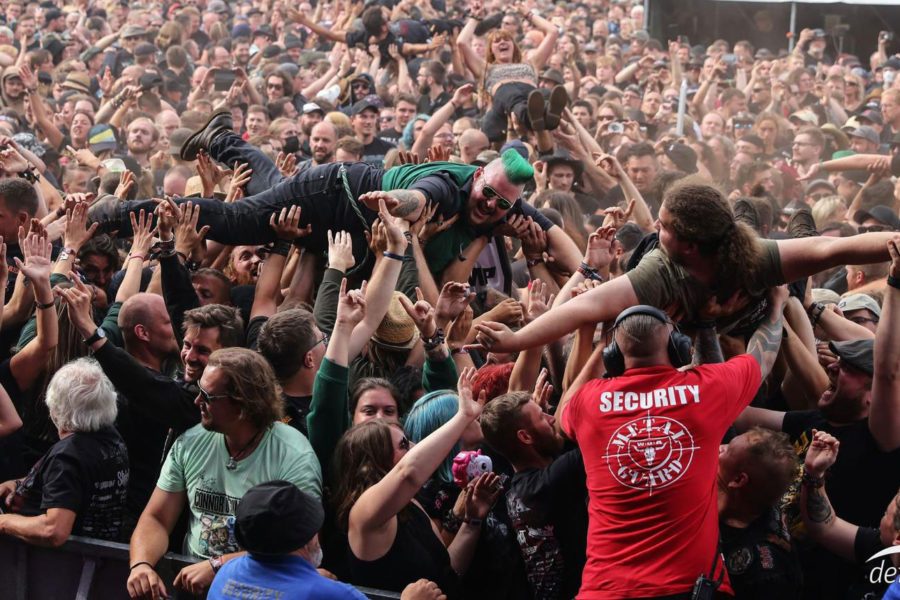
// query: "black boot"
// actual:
[[559, 99], [802, 224], [105, 212], [218, 124], [745, 212]]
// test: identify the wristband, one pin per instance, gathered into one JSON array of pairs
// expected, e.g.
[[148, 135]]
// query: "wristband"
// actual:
[[42, 306], [472, 522], [29, 175], [140, 256], [392, 256], [894, 282], [818, 308], [139, 563], [455, 351], [434, 341], [532, 262], [589, 272]]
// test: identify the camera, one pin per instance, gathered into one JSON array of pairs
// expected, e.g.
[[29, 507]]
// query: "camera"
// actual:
[[616, 127]]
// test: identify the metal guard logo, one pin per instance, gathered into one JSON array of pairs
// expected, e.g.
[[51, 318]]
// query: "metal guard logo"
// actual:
[[650, 453]]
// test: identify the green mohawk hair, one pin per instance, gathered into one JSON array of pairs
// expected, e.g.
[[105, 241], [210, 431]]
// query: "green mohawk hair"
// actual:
[[516, 168]]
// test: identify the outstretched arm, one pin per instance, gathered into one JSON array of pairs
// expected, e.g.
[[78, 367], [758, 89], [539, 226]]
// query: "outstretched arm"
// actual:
[[406, 204], [600, 304], [804, 257], [884, 412]]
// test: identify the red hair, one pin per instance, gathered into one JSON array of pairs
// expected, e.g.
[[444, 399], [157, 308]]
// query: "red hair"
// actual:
[[493, 379]]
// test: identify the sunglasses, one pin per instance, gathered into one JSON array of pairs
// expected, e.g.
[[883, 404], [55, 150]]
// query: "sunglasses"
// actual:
[[819, 195], [208, 398], [873, 229], [861, 320], [490, 192], [360, 86], [273, 86]]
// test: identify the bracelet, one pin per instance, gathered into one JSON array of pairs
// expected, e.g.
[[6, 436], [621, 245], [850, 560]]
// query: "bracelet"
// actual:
[[139, 563], [140, 256], [42, 306], [532, 262], [894, 282], [818, 308], [589, 272], [472, 522], [434, 341], [455, 351], [392, 256], [812, 480]]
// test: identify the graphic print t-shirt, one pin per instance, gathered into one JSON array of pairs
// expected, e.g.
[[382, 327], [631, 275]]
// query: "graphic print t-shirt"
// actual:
[[650, 441], [197, 465]]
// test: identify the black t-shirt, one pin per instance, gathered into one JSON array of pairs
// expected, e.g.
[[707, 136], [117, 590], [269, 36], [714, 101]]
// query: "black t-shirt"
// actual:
[[874, 581], [391, 136], [760, 560], [86, 473], [403, 31], [548, 509], [295, 410], [374, 151], [426, 106], [11, 446]]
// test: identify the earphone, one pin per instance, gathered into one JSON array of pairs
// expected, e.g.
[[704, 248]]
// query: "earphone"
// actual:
[[679, 346]]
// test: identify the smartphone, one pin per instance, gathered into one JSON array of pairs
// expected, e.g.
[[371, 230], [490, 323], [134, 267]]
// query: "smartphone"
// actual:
[[683, 39], [223, 80]]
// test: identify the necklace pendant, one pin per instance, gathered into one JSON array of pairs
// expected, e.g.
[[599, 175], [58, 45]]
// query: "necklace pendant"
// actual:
[[232, 464]]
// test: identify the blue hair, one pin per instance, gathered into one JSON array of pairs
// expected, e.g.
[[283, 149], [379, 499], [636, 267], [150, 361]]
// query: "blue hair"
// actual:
[[428, 413], [407, 136]]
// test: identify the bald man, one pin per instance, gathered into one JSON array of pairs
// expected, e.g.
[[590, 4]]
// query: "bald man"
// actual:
[[471, 143], [322, 143], [346, 196]]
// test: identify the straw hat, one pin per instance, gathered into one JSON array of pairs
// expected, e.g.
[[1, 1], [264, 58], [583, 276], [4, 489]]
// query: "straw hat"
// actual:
[[397, 330]]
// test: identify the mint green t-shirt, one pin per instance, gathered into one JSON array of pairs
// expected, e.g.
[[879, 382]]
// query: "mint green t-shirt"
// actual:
[[196, 465]]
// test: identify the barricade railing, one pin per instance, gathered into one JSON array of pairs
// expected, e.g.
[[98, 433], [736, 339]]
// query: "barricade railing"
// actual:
[[86, 569]]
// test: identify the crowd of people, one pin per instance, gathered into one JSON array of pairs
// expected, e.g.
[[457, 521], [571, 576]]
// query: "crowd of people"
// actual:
[[451, 299]]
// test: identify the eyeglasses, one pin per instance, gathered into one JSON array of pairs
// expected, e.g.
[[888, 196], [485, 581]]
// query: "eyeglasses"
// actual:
[[386, 119], [360, 85], [324, 340], [404, 443], [850, 82], [490, 192], [273, 86], [444, 136], [606, 117], [873, 228], [819, 195], [861, 320], [208, 398]]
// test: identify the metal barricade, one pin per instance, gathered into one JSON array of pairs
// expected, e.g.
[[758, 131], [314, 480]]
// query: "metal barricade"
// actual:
[[86, 569]]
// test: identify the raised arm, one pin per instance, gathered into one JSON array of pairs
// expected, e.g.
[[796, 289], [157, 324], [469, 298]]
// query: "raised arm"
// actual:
[[268, 289], [373, 525], [322, 32], [884, 412], [542, 53], [441, 116], [804, 257], [140, 250], [464, 40], [766, 340], [823, 526], [406, 204]]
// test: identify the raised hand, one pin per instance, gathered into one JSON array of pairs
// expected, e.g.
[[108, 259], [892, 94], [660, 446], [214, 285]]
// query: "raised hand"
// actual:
[[36, 249], [239, 180], [395, 227], [351, 309], [492, 337], [821, 454], [77, 232], [543, 389], [126, 183], [599, 248], [452, 301], [340, 251], [894, 250], [534, 241], [419, 225], [287, 225], [481, 494], [469, 408], [433, 228], [459, 329], [508, 311], [536, 303], [372, 200], [142, 225], [437, 154], [422, 313], [188, 239], [463, 94], [286, 163], [78, 298], [11, 161]]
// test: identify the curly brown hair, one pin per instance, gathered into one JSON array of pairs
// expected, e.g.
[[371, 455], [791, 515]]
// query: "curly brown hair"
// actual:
[[250, 382]]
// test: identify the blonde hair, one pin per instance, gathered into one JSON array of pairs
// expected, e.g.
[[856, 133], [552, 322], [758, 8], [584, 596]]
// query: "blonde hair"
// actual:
[[824, 208]]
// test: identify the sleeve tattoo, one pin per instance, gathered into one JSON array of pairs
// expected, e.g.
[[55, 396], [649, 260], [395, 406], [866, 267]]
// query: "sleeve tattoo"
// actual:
[[707, 350], [818, 507], [764, 344]]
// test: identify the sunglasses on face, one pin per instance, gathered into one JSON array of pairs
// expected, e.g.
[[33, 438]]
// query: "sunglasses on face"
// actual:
[[873, 229], [490, 192], [208, 398], [861, 320], [360, 86]]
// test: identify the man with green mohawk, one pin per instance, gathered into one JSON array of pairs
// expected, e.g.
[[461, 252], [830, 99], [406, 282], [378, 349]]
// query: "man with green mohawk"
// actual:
[[346, 197]]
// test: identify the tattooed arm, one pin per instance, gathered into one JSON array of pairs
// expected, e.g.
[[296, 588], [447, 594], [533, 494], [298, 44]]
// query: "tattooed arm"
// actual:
[[822, 525], [406, 204], [764, 344], [706, 347]]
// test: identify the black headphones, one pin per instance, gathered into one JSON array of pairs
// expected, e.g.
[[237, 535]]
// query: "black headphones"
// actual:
[[679, 345]]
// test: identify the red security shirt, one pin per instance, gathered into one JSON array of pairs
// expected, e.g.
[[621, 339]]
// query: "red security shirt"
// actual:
[[650, 441]]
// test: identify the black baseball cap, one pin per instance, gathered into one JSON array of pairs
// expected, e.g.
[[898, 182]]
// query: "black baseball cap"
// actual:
[[277, 518], [859, 354]]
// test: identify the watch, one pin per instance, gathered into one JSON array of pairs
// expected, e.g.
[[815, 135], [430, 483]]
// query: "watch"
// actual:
[[66, 253], [99, 334], [216, 563]]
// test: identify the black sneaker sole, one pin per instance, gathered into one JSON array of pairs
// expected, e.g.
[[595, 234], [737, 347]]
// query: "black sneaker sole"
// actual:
[[536, 111], [559, 99], [188, 151]]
